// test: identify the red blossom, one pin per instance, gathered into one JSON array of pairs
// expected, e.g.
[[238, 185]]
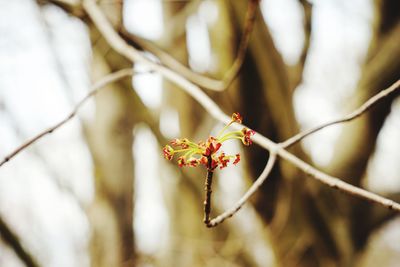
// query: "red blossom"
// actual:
[[201, 145], [214, 163], [168, 152], [237, 159], [175, 142], [203, 160], [247, 133], [213, 143], [212, 146], [181, 161], [224, 160], [183, 143], [202, 152], [193, 162], [236, 117]]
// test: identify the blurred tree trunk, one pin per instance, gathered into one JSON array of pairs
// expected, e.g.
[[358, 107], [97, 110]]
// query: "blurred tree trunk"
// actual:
[[110, 140]]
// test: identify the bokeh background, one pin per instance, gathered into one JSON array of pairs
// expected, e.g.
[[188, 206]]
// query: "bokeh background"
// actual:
[[97, 192]]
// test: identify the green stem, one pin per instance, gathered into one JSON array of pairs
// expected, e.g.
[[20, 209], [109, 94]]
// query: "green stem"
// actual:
[[230, 137], [223, 129], [181, 150]]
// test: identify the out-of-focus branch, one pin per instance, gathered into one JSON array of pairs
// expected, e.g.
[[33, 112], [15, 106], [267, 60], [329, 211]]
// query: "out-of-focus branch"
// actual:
[[336, 183], [176, 25], [67, 3], [131, 53], [201, 80], [11, 239], [351, 116], [307, 26], [307, 8], [95, 89], [120, 46], [72, 7]]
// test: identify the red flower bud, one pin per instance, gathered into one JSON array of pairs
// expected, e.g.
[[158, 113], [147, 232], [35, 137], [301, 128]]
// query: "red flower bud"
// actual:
[[168, 152], [214, 163], [193, 162], [237, 159], [223, 160], [212, 146], [183, 143], [181, 161], [203, 152], [203, 160], [236, 117], [247, 133]]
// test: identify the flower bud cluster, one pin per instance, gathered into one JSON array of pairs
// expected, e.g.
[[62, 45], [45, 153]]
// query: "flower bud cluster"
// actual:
[[194, 154]]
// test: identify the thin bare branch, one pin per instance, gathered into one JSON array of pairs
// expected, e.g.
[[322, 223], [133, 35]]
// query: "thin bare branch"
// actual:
[[201, 80], [254, 187], [95, 89], [118, 44], [336, 183], [11, 239], [351, 116]]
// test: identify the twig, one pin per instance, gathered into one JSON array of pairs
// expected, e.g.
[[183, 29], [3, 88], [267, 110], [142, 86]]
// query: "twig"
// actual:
[[10, 238], [95, 89], [336, 183], [356, 113], [254, 187], [119, 45], [208, 191], [201, 80]]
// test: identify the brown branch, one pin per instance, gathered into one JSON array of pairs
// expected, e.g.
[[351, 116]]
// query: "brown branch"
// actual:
[[201, 80], [95, 89], [118, 44], [208, 191], [11, 239], [356, 113]]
